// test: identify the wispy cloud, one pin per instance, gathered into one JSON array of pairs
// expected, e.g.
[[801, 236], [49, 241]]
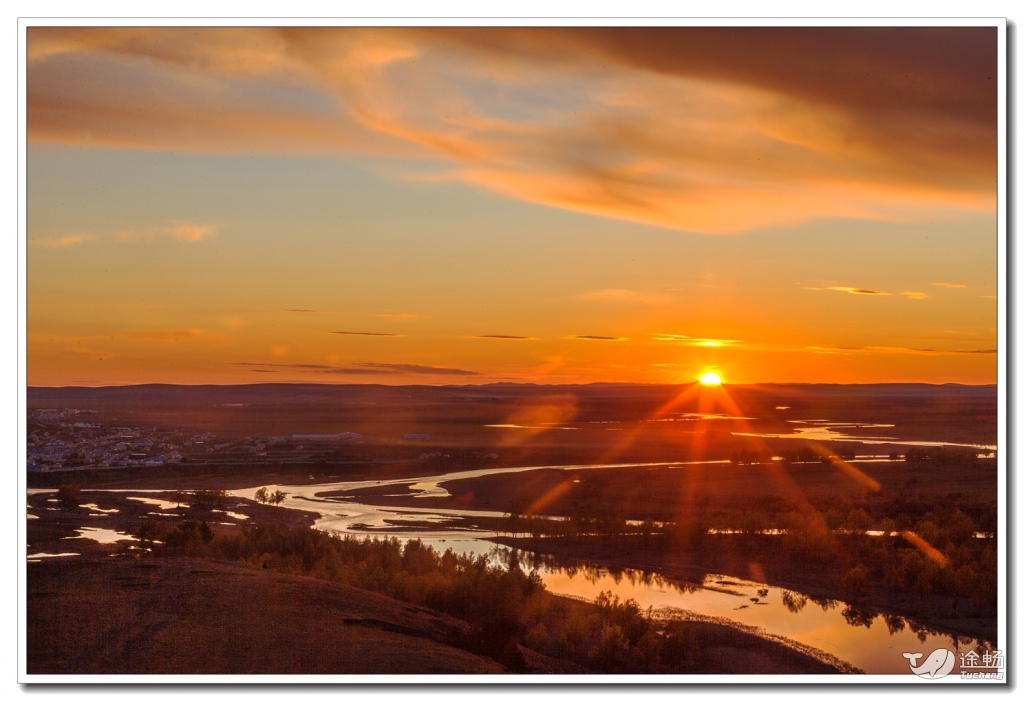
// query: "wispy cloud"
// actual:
[[65, 241], [189, 232], [181, 231], [695, 341], [947, 284], [166, 336], [702, 129], [364, 368], [915, 295], [407, 368], [850, 290], [503, 337], [898, 349], [598, 338], [301, 311], [618, 294], [367, 333]]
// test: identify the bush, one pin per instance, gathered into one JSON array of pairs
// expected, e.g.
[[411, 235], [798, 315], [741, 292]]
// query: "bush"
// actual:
[[68, 495]]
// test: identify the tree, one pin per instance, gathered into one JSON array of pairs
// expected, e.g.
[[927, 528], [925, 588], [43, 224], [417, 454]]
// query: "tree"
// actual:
[[261, 495], [208, 498], [68, 495], [277, 497], [856, 583]]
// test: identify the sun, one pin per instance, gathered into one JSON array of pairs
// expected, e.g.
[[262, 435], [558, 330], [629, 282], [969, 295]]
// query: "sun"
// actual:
[[710, 379]]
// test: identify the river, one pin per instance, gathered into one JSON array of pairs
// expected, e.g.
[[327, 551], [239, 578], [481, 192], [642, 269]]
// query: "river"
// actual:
[[872, 643]]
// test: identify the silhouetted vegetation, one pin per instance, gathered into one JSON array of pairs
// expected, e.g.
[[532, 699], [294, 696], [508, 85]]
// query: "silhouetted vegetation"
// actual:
[[506, 606], [208, 498], [939, 552], [68, 495]]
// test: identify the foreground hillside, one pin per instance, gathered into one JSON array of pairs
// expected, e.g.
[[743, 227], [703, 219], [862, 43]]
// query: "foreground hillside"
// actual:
[[276, 597], [187, 616]]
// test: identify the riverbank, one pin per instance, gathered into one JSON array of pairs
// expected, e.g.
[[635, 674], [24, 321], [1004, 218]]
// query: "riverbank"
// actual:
[[128, 606], [730, 556]]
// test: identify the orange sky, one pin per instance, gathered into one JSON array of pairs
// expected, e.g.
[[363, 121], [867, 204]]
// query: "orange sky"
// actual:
[[474, 205]]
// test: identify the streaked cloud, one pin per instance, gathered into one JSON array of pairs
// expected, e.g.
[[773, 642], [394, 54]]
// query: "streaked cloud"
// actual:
[[301, 311], [181, 231], [189, 232], [364, 368], [165, 336], [65, 241], [947, 284], [891, 349], [502, 337], [407, 368], [851, 290], [598, 338], [367, 333], [625, 295], [700, 129], [915, 295], [694, 341]]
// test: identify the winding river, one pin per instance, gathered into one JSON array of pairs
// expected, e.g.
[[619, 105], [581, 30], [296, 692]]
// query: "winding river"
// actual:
[[872, 643]]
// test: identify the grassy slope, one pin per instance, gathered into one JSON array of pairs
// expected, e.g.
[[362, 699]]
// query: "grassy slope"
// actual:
[[179, 615]]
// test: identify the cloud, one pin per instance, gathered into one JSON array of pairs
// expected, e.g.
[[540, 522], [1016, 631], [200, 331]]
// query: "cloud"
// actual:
[[65, 241], [947, 284], [598, 338], [505, 338], [189, 232], [415, 369], [367, 333], [701, 129], [692, 341], [851, 290], [988, 297], [168, 336], [181, 231], [624, 295], [915, 295], [365, 368], [301, 311], [891, 349]]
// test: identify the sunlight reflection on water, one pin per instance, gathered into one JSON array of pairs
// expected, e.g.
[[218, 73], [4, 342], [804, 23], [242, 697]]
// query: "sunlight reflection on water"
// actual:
[[872, 642]]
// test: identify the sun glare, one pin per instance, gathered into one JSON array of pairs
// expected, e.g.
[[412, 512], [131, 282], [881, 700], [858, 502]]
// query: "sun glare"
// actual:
[[710, 378]]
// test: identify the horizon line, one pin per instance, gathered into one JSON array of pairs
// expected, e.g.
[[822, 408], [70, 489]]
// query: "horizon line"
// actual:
[[523, 384]]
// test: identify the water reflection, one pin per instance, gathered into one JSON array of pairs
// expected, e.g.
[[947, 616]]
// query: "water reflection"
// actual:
[[871, 641], [834, 627]]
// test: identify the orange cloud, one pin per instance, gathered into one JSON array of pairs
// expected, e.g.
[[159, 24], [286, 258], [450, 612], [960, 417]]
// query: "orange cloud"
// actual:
[[691, 341], [851, 290], [188, 232], [701, 129], [169, 336], [65, 241]]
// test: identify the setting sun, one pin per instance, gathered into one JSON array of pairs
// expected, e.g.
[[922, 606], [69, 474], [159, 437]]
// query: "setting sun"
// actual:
[[710, 378]]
